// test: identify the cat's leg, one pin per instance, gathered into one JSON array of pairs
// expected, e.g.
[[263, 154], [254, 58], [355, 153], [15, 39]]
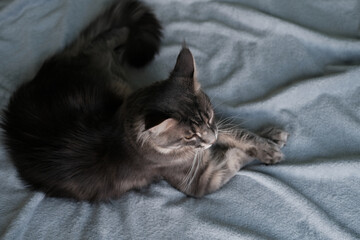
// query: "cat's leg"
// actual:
[[222, 165], [234, 151], [208, 171], [264, 147], [225, 158], [244, 147]]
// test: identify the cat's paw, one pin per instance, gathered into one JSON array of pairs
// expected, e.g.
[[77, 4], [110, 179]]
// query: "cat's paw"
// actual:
[[269, 152], [278, 136]]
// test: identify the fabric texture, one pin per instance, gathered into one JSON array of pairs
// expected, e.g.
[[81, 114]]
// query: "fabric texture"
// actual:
[[294, 64]]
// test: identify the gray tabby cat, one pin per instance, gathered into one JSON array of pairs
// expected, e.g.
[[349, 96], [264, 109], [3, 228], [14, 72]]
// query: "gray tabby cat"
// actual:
[[205, 154], [77, 130]]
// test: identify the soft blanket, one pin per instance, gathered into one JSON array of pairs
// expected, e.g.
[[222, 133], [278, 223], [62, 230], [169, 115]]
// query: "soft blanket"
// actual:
[[295, 64]]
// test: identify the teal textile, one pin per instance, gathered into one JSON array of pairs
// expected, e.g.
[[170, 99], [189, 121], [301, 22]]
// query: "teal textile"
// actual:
[[295, 64]]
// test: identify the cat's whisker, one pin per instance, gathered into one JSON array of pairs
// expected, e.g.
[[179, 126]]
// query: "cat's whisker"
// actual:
[[189, 173], [217, 104], [192, 174], [229, 122], [228, 127], [234, 117], [229, 119], [226, 121], [198, 159]]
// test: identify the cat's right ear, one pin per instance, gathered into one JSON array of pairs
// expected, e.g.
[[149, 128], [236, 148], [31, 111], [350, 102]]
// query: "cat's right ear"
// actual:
[[164, 126], [158, 123], [185, 68]]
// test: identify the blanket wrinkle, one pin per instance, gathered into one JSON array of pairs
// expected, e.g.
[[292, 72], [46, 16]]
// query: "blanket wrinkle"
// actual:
[[313, 212], [316, 15], [28, 208]]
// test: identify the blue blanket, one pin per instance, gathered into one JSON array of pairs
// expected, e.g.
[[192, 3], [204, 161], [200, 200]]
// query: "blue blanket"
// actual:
[[295, 64]]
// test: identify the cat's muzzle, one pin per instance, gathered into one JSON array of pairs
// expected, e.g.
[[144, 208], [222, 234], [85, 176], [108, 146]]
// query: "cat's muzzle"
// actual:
[[208, 139]]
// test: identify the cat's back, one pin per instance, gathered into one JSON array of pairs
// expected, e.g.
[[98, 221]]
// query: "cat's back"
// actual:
[[63, 121], [64, 95]]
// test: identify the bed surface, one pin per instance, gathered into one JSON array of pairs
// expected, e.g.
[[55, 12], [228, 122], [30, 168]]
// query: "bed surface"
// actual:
[[294, 64]]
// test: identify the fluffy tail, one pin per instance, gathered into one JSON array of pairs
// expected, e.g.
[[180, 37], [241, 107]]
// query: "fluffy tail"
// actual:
[[144, 37]]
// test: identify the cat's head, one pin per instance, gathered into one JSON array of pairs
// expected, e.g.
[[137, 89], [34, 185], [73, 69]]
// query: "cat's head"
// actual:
[[179, 115]]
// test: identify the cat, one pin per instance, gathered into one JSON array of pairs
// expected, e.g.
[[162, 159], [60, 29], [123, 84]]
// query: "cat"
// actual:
[[77, 130]]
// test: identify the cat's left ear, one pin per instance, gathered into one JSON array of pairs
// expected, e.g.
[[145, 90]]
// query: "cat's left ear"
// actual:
[[185, 68]]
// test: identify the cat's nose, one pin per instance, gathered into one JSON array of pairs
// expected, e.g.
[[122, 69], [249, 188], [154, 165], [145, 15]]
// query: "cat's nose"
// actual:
[[208, 137]]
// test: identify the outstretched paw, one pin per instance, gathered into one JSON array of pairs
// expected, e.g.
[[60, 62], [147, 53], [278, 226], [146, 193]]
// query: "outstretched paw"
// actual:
[[278, 136], [269, 152]]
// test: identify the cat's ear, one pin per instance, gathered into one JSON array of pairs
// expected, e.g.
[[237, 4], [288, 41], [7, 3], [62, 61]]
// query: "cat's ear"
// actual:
[[185, 68], [164, 126], [158, 123]]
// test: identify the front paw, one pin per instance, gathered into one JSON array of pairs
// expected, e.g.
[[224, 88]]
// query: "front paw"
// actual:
[[276, 135], [269, 152]]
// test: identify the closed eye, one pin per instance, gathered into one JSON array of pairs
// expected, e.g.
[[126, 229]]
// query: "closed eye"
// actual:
[[195, 122], [192, 137]]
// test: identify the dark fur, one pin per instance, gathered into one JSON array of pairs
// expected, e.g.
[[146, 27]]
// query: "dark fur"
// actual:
[[76, 130], [62, 127]]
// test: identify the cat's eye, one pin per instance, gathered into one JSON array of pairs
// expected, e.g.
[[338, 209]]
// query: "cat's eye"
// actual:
[[190, 137]]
